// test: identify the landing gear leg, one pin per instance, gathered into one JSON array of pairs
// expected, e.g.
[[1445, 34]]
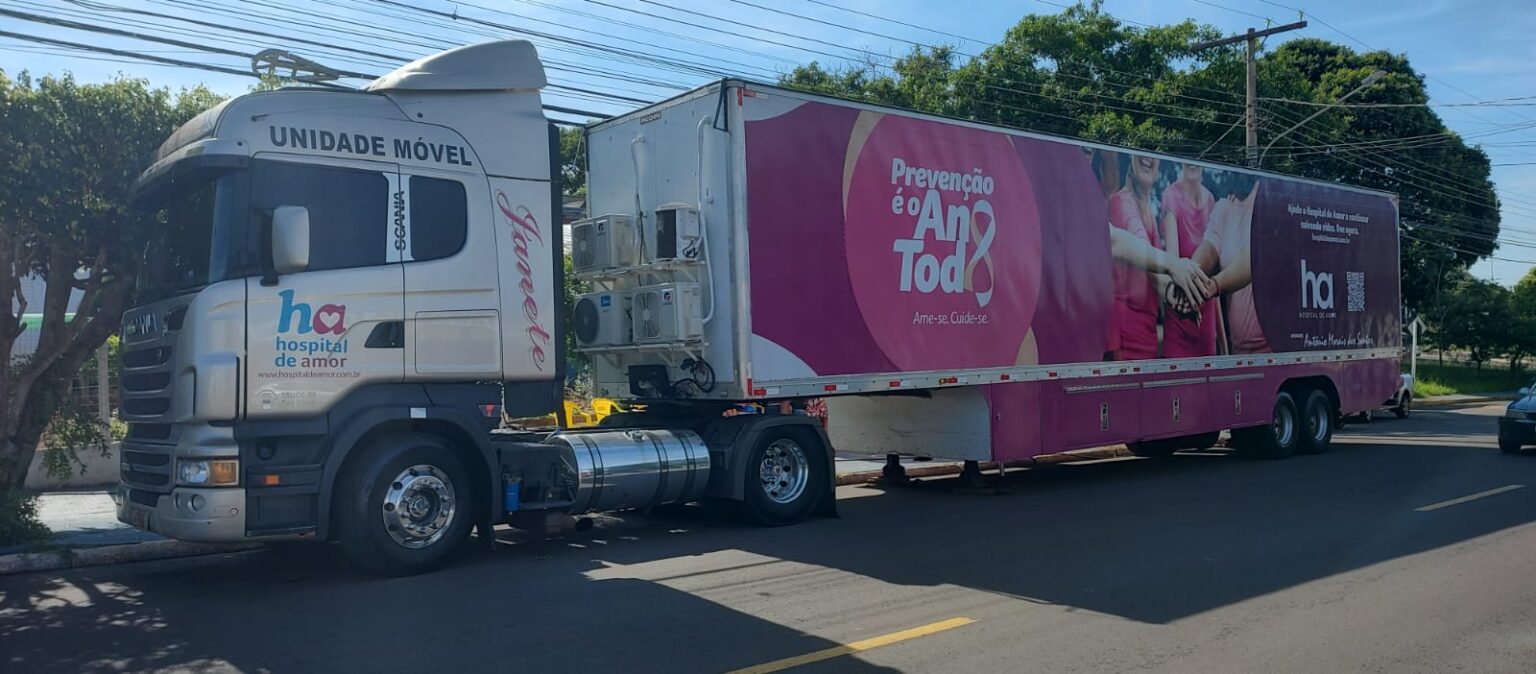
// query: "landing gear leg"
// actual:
[[970, 480], [893, 473], [970, 476]]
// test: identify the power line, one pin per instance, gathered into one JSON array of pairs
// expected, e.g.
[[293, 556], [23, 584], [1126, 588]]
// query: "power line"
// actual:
[[1498, 103], [138, 56], [1267, 21], [1459, 194], [935, 31], [130, 54], [1362, 43]]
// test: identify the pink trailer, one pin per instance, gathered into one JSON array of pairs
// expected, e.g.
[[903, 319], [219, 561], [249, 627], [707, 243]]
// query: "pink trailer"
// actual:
[[975, 292]]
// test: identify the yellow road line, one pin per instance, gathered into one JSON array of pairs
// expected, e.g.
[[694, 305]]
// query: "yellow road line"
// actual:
[[1469, 497], [855, 647]]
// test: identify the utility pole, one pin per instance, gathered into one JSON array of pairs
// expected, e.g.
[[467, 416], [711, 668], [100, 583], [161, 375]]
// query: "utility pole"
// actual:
[[1252, 107]]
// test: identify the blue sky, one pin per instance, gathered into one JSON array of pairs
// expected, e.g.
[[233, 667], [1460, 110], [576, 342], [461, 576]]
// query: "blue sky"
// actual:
[[1469, 50]]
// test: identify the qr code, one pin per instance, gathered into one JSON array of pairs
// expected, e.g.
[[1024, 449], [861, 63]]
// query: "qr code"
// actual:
[[1356, 282]]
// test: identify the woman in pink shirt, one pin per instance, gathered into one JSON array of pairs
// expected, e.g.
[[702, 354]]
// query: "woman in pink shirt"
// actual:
[[1186, 210], [1139, 263], [1226, 253]]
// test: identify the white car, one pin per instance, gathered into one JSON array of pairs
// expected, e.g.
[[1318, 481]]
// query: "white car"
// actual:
[[1401, 402]]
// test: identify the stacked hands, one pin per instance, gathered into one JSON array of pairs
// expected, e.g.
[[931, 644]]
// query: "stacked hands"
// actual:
[[1188, 288]]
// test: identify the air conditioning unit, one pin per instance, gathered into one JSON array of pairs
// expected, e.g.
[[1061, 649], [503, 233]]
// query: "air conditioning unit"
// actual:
[[673, 234], [669, 312], [603, 242], [602, 319]]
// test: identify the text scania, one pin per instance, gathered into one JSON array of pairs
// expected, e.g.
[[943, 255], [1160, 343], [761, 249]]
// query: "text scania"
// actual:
[[303, 138], [924, 268]]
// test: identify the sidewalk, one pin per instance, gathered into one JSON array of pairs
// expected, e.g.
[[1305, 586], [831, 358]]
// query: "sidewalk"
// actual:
[[86, 533], [82, 519], [1465, 399]]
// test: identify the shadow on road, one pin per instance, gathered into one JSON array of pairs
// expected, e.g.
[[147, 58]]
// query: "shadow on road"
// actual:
[[1151, 541], [301, 610]]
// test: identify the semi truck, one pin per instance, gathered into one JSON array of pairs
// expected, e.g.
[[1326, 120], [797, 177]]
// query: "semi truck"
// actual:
[[368, 282]]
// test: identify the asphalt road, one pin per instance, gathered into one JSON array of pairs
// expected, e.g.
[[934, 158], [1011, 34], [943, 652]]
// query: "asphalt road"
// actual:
[[1359, 560]]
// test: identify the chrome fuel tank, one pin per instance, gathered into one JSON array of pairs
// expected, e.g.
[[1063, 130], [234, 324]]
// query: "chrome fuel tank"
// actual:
[[623, 469]]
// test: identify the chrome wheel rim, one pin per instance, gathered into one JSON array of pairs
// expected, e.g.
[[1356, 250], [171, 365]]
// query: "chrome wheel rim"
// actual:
[[1317, 423], [1284, 425], [419, 506], [784, 471]]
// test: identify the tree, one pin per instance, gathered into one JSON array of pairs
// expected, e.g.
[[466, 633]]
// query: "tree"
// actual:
[[1449, 211], [573, 160], [1522, 320], [1084, 73], [72, 153], [1475, 315]]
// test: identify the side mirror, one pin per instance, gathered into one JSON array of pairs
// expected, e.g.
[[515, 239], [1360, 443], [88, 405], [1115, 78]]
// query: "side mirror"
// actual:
[[1525, 391], [290, 239]]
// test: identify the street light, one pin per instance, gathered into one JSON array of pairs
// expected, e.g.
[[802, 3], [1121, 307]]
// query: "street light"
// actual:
[[1364, 84]]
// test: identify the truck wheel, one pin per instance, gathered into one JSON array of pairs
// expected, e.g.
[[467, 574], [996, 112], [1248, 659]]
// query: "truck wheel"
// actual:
[[405, 506], [785, 476], [1277, 440], [1405, 407], [1317, 423]]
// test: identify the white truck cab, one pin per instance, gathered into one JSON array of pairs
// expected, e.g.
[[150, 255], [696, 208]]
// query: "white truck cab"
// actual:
[[365, 281]]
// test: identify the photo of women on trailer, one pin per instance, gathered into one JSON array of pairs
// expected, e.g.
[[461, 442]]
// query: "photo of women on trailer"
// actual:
[[1180, 237]]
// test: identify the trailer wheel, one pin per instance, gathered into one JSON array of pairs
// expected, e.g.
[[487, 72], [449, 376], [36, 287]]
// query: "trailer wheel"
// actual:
[[785, 477], [1277, 440], [1317, 423], [405, 506]]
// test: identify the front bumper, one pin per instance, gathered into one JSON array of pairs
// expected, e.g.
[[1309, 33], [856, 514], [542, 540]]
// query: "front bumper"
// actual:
[[186, 514], [1522, 431]]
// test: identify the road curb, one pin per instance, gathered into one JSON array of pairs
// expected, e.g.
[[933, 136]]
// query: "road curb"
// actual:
[[865, 477], [1470, 400], [74, 558]]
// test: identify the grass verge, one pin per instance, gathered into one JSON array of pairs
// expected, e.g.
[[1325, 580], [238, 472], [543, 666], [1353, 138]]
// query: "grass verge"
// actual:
[[1439, 380]]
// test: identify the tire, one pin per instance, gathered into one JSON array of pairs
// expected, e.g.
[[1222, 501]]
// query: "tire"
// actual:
[[786, 475], [1510, 446], [1277, 440], [1405, 407], [1317, 423], [405, 506]]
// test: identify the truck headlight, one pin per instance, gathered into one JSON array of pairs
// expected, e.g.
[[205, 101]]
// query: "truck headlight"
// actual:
[[1514, 414], [208, 472]]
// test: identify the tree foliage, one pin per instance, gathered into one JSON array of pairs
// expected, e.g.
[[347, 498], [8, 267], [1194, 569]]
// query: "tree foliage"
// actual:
[[72, 153], [1084, 73], [573, 160], [1522, 319], [1476, 318]]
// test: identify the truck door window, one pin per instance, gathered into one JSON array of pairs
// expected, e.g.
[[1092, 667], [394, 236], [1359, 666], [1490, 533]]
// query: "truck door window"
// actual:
[[439, 218], [348, 210]]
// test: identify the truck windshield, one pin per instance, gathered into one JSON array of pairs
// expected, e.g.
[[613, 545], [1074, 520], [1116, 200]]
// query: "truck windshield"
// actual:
[[206, 221]]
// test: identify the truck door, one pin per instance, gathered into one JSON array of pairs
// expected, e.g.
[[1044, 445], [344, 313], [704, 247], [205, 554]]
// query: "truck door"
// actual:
[[452, 324], [316, 335]]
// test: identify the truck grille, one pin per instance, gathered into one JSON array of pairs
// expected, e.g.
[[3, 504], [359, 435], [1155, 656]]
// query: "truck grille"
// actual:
[[148, 362]]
